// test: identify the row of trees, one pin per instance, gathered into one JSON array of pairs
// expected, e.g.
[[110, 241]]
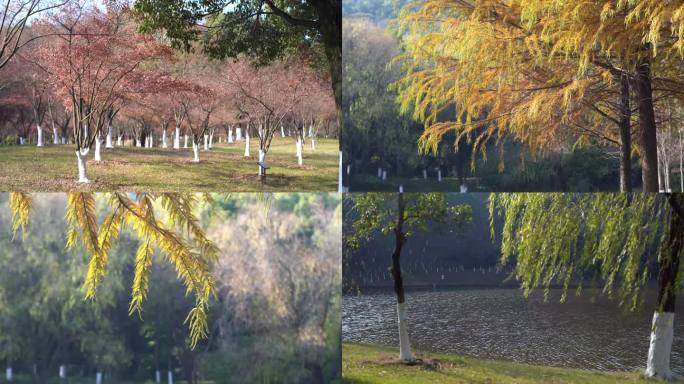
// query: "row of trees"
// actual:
[[548, 75], [280, 311], [617, 240], [92, 76]]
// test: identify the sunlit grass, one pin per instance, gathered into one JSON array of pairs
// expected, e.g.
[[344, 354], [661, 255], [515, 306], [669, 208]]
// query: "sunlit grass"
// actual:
[[223, 168], [362, 363]]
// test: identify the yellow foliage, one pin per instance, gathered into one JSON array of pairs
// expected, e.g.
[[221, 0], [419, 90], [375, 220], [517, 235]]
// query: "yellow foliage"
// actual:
[[533, 69], [20, 204], [191, 253]]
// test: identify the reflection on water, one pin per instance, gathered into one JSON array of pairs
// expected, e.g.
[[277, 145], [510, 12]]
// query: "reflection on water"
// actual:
[[501, 324]]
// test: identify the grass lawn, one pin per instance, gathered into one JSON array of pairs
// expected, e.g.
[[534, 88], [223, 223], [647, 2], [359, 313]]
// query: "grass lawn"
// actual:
[[365, 364], [223, 168]]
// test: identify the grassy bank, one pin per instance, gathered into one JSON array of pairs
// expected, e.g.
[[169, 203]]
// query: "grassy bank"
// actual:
[[365, 364], [223, 168]]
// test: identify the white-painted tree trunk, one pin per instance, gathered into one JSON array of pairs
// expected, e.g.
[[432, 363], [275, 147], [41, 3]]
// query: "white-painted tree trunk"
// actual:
[[151, 141], [230, 135], [238, 134], [108, 143], [64, 140], [8, 374], [98, 378], [81, 156], [62, 372], [185, 145], [662, 334], [157, 377], [119, 141], [282, 131], [247, 145], [138, 143], [348, 169], [98, 149], [206, 142], [211, 141], [195, 151], [55, 136], [384, 175], [164, 139], [40, 137], [401, 188], [404, 344], [170, 374], [313, 144], [176, 139], [300, 158], [262, 157], [379, 173], [439, 175], [464, 188], [21, 141]]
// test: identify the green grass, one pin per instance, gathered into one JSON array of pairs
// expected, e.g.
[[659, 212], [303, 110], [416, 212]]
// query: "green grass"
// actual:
[[365, 364], [223, 168]]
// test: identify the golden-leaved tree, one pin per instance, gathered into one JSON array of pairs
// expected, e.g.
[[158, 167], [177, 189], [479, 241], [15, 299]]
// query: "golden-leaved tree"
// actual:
[[540, 71], [163, 223]]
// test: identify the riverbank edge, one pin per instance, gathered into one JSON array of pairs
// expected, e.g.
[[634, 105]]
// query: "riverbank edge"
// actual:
[[366, 364]]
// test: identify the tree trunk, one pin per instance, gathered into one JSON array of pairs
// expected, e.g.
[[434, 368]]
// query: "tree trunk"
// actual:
[[625, 137], [81, 157], [662, 330], [40, 136], [176, 139], [647, 123], [195, 151], [330, 26], [164, 139], [98, 149], [247, 145], [55, 136], [108, 143], [399, 239], [262, 158], [206, 142], [238, 134]]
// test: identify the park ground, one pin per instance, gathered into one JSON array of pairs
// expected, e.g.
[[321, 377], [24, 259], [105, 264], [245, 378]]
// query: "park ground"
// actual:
[[223, 168], [366, 364]]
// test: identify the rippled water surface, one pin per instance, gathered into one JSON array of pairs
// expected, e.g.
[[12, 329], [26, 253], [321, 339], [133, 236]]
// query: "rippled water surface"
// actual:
[[501, 324]]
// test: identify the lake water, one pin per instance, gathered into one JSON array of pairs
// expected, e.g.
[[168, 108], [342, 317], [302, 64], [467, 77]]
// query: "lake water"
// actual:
[[502, 324]]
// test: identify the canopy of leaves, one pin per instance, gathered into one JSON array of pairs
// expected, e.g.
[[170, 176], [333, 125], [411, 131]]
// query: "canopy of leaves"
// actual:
[[376, 213], [229, 28], [613, 239]]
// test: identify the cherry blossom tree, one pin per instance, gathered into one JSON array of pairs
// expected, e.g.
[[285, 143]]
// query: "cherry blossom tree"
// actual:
[[267, 95], [94, 59]]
